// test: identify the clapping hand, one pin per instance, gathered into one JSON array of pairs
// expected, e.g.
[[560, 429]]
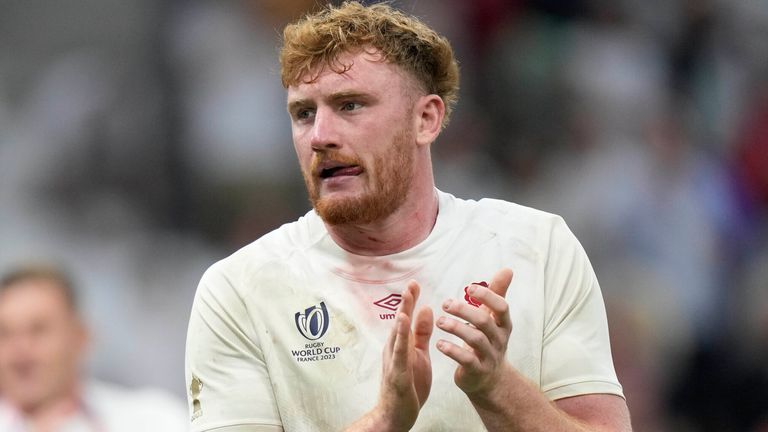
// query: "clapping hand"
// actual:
[[406, 371], [485, 332]]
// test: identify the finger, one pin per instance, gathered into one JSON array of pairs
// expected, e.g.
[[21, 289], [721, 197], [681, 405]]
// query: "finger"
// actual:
[[500, 282], [401, 342], [500, 285], [460, 355], [473, 337], [493, 303], [479, 318], [409, 297], [422, 328], [391, 338]]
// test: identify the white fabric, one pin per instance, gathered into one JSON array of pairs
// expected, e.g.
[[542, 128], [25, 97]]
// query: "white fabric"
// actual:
[[107, 408], [244, 333]]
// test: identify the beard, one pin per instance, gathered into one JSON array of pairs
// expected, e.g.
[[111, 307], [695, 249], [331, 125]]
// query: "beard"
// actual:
[[389, 179]]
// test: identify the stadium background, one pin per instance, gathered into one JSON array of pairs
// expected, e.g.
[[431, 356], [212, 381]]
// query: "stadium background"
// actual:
[[142, 140]]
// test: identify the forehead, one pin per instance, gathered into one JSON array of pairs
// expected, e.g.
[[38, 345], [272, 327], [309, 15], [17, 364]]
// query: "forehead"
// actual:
[[366, 72], [32, 295]]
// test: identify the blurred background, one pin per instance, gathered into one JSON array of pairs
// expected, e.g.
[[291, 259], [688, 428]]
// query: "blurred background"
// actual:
[[142, 140]]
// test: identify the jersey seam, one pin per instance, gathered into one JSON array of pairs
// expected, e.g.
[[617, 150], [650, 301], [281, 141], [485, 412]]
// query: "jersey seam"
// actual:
[[247, 422], [400, 278], [574, 383], [577, 303]]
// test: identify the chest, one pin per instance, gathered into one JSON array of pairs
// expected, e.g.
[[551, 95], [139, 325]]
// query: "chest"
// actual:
[[322, 331]]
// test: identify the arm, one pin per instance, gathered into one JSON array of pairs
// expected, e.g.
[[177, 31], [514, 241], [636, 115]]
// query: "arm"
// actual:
[[504, 399], [228, 384], [406, 370], [519, 405]]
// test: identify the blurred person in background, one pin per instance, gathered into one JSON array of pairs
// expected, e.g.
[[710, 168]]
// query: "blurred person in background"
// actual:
[[43, 346], [288, 334]]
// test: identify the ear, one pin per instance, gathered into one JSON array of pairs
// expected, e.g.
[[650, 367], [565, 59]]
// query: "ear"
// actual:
[[428, 114]]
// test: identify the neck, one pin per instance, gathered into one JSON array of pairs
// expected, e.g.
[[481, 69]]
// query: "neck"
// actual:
[[47, 414], [408, 226]]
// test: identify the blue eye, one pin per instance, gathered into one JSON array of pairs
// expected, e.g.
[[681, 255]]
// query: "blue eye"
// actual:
[[350, 106]]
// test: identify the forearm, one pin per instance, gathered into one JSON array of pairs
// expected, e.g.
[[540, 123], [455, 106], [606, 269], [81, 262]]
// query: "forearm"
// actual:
[[370, 422], [517, 405]]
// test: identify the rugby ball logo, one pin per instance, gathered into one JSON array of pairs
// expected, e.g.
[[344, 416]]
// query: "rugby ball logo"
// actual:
[[313, 322]]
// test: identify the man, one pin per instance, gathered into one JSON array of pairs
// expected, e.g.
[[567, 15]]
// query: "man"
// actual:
[[43, 343], [314, 326]]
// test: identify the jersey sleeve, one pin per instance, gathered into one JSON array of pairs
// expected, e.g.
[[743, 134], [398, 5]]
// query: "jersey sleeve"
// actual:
[[576, 352], [228, 385]]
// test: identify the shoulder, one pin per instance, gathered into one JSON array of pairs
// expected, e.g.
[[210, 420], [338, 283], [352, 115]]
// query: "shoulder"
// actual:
[[510, 212], [279, 244], [511, 220], [267, 255]]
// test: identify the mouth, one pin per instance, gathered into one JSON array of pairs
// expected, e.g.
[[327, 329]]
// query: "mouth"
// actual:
[[24, 370], [332, 169]]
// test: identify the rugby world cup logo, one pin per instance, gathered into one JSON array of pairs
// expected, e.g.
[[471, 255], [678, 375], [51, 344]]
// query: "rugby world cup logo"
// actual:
[[313, 322]]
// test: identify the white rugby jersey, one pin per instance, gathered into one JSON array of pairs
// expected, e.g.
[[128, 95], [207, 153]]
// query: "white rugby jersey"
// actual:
[[290, 329]]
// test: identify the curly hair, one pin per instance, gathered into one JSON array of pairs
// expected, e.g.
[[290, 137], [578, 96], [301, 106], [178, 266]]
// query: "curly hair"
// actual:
[[318, 40]]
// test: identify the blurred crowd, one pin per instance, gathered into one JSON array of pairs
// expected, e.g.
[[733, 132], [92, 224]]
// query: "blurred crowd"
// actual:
[[141, 141]]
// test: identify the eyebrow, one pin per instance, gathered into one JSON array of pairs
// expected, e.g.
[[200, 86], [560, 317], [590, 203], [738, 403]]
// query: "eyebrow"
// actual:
[[347, 95], [298, 103], [335, 97]]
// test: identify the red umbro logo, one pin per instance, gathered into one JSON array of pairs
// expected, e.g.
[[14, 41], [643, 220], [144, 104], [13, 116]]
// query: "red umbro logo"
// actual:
[[390, 302]]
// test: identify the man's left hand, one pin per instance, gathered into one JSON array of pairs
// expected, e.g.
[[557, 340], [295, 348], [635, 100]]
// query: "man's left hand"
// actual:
[[482, 359]]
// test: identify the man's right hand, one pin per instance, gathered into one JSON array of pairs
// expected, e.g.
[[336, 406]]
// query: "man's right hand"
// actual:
[[406, 376]]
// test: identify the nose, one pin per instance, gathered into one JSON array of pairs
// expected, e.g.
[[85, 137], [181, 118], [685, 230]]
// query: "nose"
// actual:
[[324, 134]]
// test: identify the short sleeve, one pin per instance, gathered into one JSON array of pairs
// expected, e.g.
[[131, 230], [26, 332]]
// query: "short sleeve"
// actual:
[[576, 352], [226, 376]]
